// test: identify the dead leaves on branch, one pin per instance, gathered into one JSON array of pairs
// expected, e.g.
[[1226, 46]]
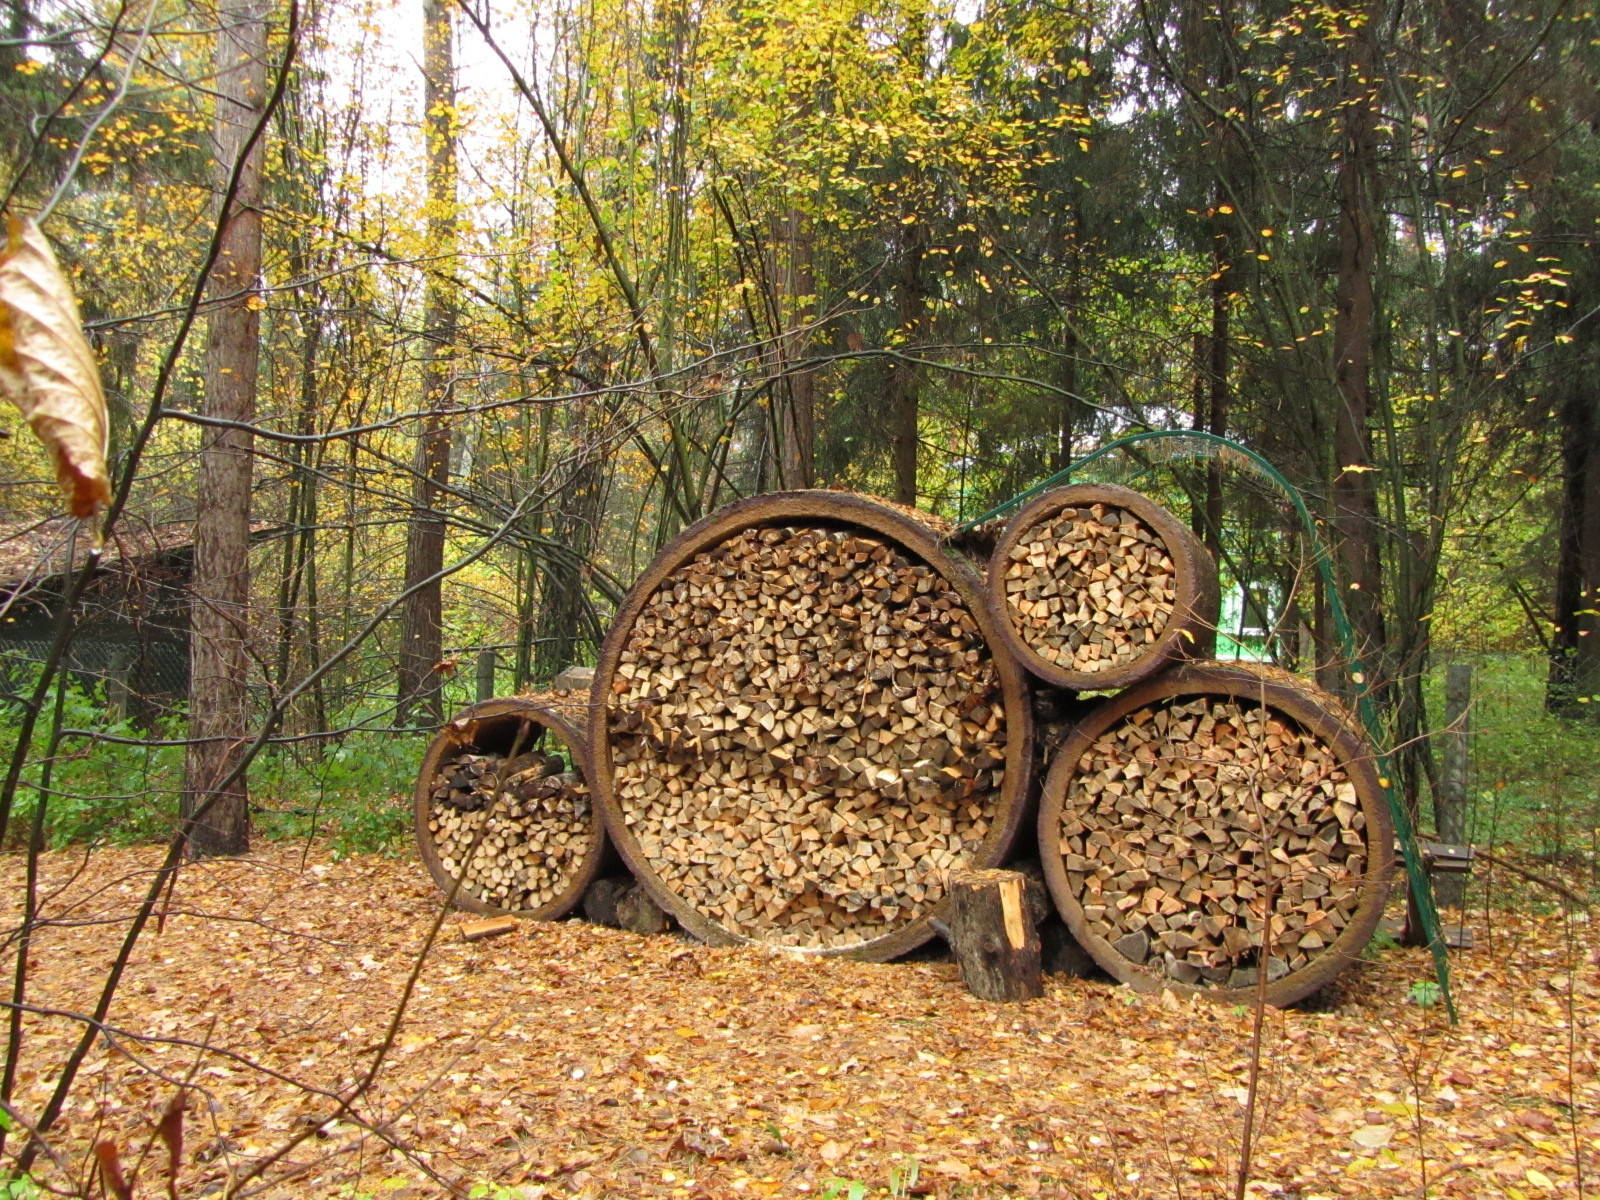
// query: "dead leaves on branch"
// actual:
[[47, 368]]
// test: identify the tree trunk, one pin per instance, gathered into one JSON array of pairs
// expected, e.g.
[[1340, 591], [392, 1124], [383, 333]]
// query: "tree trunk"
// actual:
[[1575, 649], [1218, 346], [797, 428], [1355, 502], [219, 647], [993, 935], [904, 378], [422, 617]]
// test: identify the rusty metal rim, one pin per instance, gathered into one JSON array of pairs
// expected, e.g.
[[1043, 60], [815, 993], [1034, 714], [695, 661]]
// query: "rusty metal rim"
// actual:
[[1189, 630], [462, 731], [1315, 713], [815, 508]]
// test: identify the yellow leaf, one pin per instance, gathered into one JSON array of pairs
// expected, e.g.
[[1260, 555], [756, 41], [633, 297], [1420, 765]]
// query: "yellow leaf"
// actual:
[[47, 369], [1373, 1137], [1539, 1179]]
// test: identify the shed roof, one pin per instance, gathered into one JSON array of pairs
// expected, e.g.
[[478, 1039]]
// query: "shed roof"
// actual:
[[34, 551]]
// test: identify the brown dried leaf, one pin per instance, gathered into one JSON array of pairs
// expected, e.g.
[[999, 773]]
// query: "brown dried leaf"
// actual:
[[105, 1153], [171, 1132], [47, 369]]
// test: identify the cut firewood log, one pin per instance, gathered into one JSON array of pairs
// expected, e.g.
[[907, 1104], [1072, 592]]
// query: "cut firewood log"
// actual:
[[488, 927], [805, 727], [992, 932], [1098, 587], [1183, 813], [504, 819]]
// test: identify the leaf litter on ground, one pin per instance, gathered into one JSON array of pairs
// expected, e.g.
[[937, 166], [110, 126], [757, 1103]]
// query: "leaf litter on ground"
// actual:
[[566, 1061]]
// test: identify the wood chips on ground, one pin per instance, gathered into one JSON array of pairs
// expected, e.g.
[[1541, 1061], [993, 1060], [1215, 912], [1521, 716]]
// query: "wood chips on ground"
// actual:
[[565, 1060]]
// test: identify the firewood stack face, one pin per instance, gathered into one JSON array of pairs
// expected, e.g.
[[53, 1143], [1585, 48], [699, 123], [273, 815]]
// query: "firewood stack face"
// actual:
[[1091, 588], [807, 731], [1189, 819], [536, 823]]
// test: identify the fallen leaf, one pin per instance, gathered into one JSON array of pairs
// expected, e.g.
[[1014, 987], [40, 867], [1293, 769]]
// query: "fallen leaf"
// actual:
[[1373, 1137]]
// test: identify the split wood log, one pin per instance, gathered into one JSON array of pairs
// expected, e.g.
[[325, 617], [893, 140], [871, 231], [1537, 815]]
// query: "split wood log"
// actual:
[[806, 727], [488, 927], [1182, 812], [503, 815], [992, 932], [1098, 586]]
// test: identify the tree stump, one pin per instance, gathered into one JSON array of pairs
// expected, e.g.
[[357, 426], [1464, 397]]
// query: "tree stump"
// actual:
[[992, 933]]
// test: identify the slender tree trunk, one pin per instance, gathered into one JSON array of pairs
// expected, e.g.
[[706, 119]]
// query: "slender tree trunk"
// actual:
[[797, 426], [1218, 348], [577, 509], [219, 710], [422, 618], [1070, 235], [904, 378], [1575, 648], [1355, 502]]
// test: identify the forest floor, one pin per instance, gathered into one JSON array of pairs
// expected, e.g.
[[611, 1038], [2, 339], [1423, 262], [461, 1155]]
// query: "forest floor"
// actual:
[[567, 1060]]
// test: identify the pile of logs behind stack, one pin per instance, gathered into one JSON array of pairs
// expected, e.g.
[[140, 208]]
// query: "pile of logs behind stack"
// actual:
[[504, 819], [807, 728]]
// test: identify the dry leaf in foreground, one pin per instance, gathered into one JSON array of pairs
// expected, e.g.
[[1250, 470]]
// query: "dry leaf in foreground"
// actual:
[[47, 369]]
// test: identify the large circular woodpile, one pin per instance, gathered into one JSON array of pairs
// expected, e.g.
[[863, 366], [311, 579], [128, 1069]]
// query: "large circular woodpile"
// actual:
[[503, 814], [1097, 586], [805, 726], [1182, 814]]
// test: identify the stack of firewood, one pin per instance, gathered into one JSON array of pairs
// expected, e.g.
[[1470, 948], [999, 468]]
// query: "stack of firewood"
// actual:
[[510, 830], [1090, 588], [806, 729], [807, 733], [1100, 586], [1218, 821], [808, 719], [504, 816]]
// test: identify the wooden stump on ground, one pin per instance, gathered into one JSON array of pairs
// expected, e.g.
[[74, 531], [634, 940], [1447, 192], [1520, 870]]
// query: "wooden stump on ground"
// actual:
[[993, 935]]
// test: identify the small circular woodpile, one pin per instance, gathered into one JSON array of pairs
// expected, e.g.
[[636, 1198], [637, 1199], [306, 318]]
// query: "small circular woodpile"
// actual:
[[1098, 586], [805, 726], [504, 817], [1183, 814]]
